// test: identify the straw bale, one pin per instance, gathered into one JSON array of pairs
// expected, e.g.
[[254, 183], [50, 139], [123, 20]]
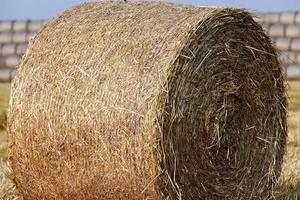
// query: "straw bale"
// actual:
[[148, 101]]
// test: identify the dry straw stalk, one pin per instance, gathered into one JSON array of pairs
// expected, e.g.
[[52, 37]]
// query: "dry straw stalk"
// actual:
[[148, 101]]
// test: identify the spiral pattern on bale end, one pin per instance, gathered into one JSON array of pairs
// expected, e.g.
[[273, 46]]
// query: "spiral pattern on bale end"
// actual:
[[148, 100], [223, 119]]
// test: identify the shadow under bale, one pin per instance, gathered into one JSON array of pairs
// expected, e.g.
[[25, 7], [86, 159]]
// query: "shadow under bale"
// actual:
[[148, 101]]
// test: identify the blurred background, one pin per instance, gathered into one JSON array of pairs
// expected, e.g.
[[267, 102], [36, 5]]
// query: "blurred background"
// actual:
[[20, 20]]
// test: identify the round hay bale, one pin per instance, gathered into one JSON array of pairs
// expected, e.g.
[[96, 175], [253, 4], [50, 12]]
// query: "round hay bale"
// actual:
[[148, 101]]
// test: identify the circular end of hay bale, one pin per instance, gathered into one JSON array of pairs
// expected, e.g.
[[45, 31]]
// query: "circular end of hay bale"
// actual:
[[177, 103], [223, 119]]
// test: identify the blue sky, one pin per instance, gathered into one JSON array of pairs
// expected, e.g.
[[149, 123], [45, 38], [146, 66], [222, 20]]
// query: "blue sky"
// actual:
[[43, 9]]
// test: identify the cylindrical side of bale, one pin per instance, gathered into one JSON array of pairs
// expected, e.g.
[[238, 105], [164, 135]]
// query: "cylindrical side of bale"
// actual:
[[148, 101]]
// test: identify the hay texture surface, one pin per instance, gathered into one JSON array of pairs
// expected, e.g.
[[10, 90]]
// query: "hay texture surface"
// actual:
[[148, 101]]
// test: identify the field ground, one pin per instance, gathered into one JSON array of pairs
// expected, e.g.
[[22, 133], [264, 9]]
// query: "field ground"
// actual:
[[4, 98], [289, 188], [7, 188]]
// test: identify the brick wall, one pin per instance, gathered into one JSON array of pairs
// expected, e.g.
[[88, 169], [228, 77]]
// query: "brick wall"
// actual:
[[14, 37], [284, 29]]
